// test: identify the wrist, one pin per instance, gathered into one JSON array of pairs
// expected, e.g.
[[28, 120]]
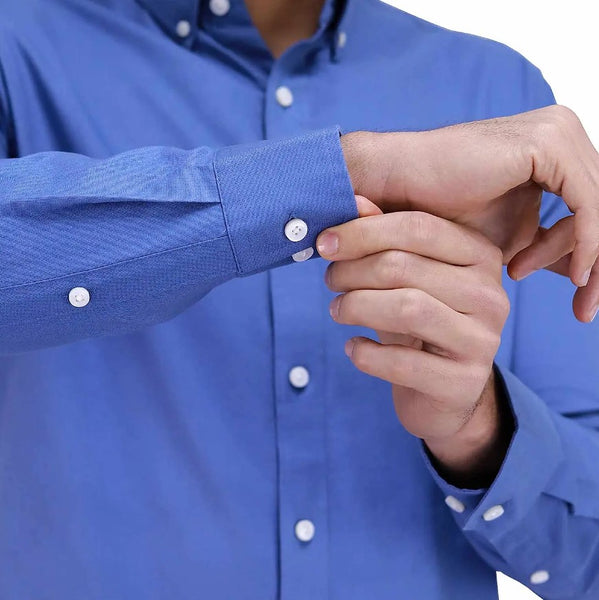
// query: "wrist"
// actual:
[[360, 150], [472, 457]]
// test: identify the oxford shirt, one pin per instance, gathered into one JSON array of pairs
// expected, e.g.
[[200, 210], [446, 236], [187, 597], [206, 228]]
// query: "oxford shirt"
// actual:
[[177, 417]]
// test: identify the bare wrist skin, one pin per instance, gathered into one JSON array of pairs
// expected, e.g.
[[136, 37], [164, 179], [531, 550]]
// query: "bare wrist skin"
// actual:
[[361, 150], [472, 457]]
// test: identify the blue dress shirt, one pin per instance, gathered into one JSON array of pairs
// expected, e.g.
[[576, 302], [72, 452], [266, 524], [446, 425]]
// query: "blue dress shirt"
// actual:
[[155, 441]]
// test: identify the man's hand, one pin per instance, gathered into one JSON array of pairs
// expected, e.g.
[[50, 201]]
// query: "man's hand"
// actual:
[[432, 291], [489, 175]]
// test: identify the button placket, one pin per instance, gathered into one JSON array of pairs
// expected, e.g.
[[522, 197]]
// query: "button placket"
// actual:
[[299, 377], [305, 530], [297, 334], [284, 96]]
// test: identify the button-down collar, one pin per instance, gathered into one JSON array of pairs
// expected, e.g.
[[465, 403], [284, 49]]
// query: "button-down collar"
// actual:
[[170, 14]]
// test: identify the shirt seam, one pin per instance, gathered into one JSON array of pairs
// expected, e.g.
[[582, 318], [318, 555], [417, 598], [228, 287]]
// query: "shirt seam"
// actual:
[[225, 217], [113, 264]]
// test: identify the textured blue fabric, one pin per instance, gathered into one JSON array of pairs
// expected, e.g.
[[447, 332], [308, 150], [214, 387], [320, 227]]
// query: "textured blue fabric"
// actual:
[[151, 445]]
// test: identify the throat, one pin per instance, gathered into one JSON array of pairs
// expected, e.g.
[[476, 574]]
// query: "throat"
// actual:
[[282, 23]]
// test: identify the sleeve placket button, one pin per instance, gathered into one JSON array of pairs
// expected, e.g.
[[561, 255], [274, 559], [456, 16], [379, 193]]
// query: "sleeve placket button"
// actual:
[[79, 297]]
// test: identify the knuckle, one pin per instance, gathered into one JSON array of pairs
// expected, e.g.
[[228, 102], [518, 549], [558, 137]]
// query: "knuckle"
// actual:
[[420, 225], [492, 300], [500, 303], [491, 341], [413, 305], [564, 115], [475, 374], [551, 129], [394, 267], [493, 256], [559, 122]]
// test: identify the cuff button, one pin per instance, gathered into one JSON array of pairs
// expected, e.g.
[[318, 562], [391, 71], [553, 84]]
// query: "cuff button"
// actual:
[[296, 230], [303, 255]]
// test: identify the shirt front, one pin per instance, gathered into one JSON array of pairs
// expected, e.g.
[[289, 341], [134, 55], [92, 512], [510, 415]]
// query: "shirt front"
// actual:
[[177, 416]]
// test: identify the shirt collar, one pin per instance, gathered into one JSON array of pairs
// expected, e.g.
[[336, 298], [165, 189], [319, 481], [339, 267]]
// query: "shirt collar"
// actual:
[[170, 13], [176, 16]]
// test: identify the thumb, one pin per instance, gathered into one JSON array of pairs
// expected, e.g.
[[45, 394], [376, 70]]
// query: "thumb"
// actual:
[[366, 208]]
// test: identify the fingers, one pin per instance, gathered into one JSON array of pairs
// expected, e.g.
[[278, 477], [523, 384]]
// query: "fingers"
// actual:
[[549, 246], [586, 299], [410, 231], [552, 249], [568, 165], [415, 313], [461, 288], [586, 250], [366, 208], [429, 374]]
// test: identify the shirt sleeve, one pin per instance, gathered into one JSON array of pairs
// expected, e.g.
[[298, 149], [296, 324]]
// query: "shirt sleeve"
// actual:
[[148, 232], [539, 520]]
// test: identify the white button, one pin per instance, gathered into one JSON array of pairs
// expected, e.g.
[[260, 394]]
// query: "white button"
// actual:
[[303, 255], [455, 504], [183, 28], [284, 96], [296, 230], [299, 377], [79, 297], [220, 7], [304, 530], [493, 513], [341, 39], [539, 577]]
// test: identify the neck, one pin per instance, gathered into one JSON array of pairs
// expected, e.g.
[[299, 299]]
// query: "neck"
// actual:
[[282, 23]]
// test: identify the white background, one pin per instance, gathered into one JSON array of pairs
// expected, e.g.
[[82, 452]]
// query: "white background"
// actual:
[[558, 37]]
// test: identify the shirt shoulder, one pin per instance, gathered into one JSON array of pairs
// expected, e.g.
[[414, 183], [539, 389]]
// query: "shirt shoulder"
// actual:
[[507, 82], [27, 18]]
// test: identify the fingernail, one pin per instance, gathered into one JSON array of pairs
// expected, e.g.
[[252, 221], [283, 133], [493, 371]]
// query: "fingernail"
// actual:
[[349, 347], [585, 278], [334, 308], [327, 243], [327, 276]]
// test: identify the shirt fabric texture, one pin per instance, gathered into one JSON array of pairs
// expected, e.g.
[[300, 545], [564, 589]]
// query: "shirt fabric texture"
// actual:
[[151, 443]]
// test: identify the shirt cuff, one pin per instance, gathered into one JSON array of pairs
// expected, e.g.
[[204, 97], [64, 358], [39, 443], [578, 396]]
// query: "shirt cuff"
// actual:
[[533, 457], [264, 186]]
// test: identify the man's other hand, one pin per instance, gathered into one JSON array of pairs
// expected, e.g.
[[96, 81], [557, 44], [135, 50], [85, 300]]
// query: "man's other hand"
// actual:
[[432, 291]]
